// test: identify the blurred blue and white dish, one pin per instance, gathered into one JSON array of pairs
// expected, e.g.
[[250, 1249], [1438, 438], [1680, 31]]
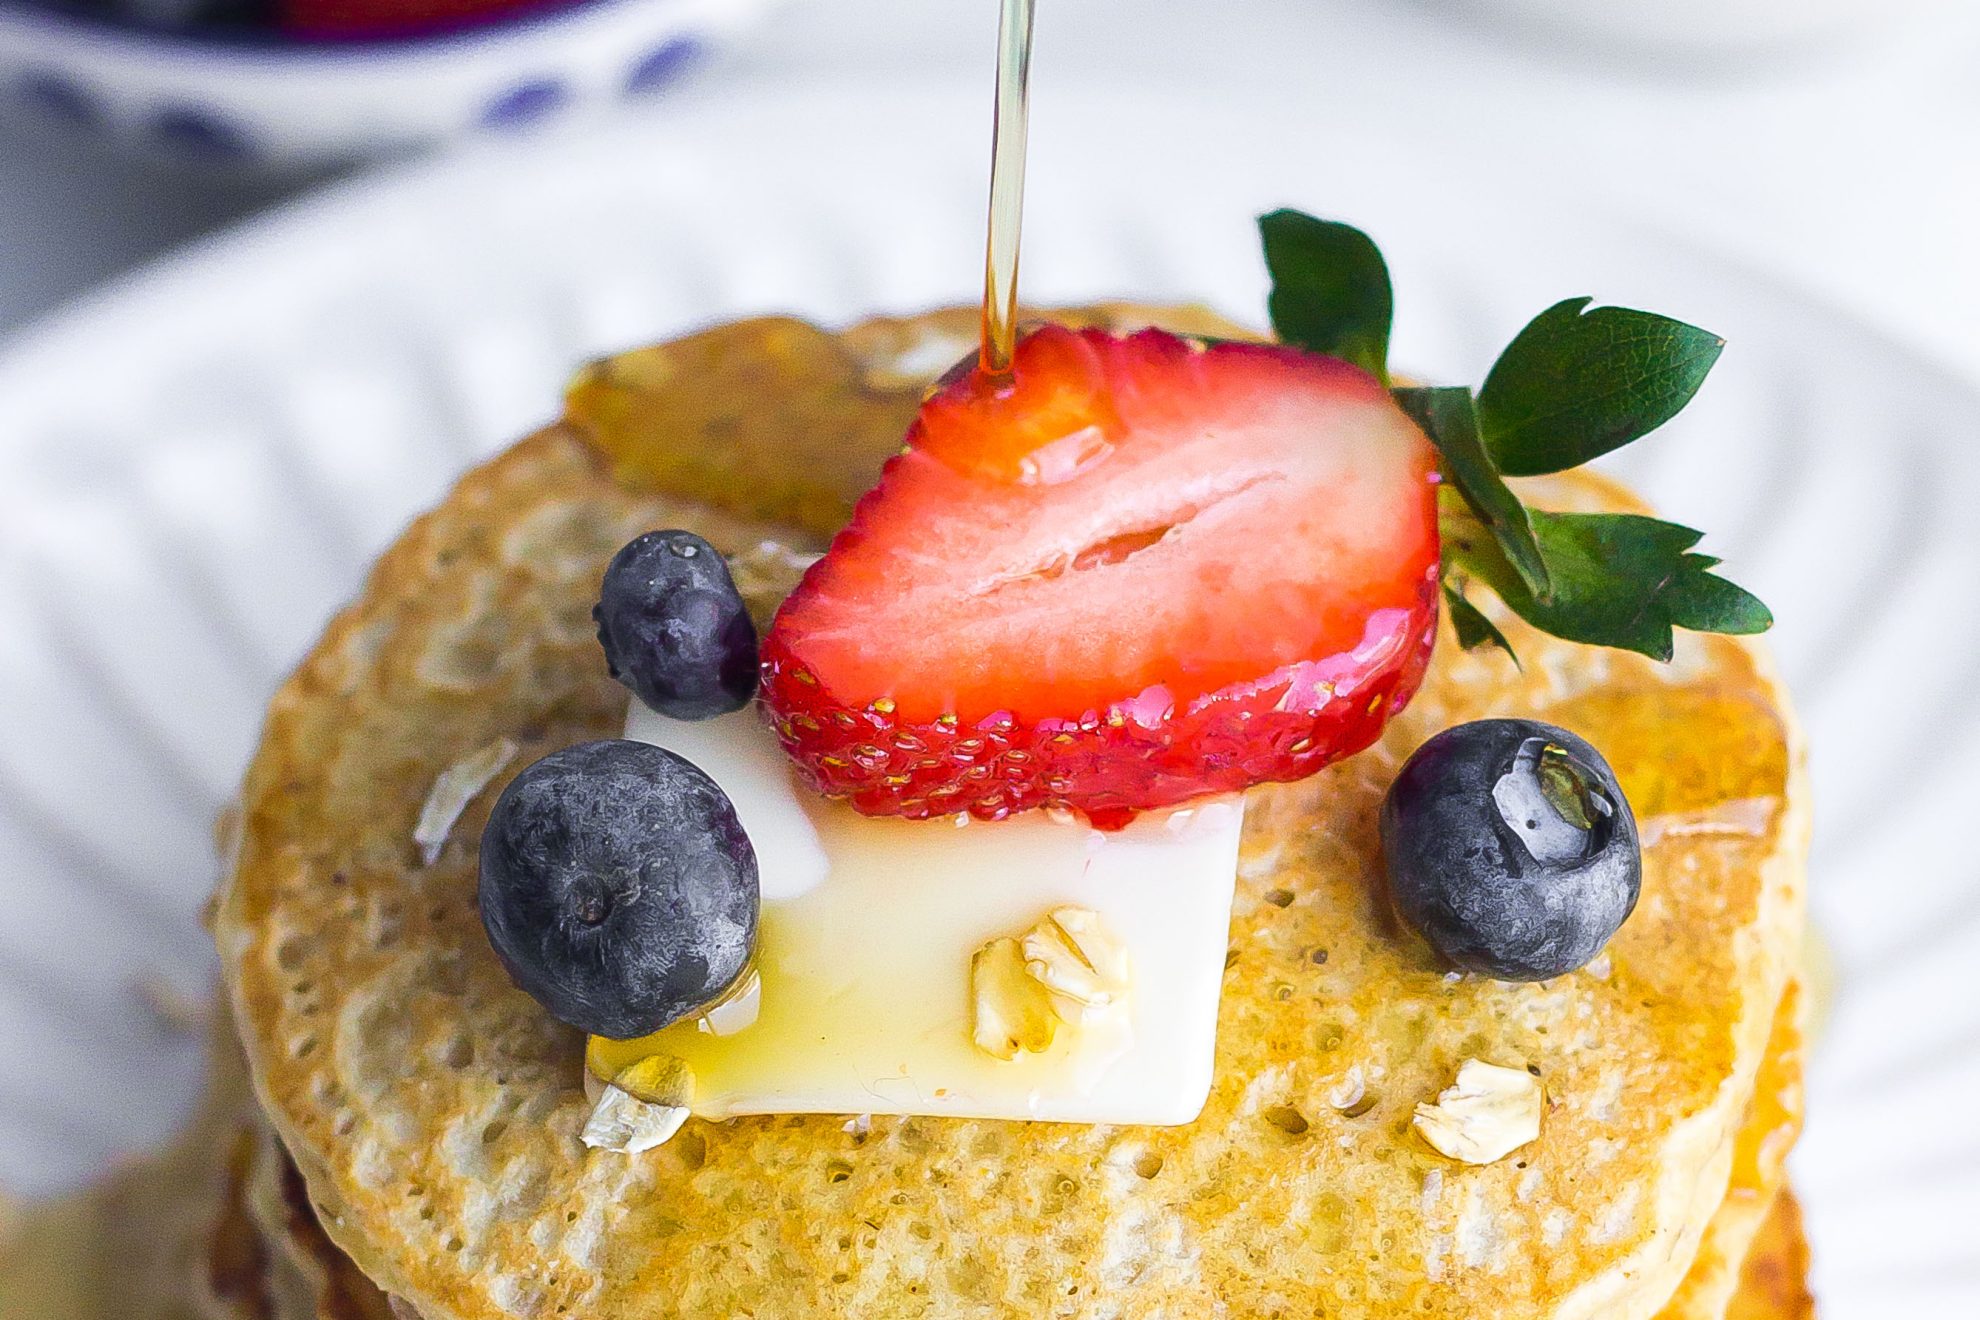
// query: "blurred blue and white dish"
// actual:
[[210, 81]]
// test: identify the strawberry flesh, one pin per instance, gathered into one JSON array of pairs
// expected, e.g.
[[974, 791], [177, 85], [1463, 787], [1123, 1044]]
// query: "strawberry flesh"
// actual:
[[1142, 570]]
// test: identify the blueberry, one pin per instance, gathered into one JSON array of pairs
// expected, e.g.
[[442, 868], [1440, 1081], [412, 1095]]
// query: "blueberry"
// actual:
[[1511, 848], [674, 628], [618, 887]]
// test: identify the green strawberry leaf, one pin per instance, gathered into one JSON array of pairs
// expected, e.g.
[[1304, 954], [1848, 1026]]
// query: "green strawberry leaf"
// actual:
[[1619, 580], [1330, 289], [1473, 628], [1577, 383], [1448, 417], [1706, 602]]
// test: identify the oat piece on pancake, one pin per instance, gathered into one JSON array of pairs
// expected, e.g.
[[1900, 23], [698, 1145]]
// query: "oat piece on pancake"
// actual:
[[258, 1252], [434, 1110], [1757, 1218]]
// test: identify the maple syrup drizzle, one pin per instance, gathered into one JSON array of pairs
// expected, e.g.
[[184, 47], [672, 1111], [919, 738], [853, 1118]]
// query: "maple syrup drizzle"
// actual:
[[1000, 260]]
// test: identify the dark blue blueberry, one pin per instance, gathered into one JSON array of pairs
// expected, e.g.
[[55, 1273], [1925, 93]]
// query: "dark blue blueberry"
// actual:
[[1511, 848], [673, 628], [618, 887]]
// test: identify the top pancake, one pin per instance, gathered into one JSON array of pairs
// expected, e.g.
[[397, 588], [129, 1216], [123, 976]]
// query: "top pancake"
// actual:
[[434, 1109]]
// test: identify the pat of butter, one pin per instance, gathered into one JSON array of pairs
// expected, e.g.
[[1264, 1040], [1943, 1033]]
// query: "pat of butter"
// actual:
[[862, 1000]]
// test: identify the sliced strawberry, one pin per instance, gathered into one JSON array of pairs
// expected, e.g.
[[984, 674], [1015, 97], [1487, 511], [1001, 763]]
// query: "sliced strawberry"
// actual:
[[1147, 569]]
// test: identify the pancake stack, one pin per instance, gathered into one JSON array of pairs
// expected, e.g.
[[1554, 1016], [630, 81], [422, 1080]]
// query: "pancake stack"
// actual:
[[414, 1133]]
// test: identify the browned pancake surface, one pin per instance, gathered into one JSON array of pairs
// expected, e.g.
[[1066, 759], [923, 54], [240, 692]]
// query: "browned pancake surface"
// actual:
[[434, 1110]]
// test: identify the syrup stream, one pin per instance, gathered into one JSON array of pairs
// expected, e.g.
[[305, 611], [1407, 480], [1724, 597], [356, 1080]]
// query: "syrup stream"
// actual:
[[1000, 260]]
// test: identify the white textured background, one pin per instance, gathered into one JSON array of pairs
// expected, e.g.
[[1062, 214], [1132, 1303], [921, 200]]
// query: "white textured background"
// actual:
[[1852, 167]]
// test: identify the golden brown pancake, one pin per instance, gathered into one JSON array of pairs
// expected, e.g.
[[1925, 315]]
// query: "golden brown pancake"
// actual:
[[257, 1252], [1773, 1284], [1758, 1220], [266, 1257], [1759, 1173], [433, 1109]]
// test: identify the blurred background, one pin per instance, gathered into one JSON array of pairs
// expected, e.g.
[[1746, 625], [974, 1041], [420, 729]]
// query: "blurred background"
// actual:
[[273, 271], [1835, 140]]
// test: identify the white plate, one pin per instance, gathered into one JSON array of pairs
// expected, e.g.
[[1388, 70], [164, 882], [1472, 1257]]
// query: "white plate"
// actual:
[[195, 467]]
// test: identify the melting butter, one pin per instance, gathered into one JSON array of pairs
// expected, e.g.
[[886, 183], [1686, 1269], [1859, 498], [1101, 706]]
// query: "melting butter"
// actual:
[[861, 1002]]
